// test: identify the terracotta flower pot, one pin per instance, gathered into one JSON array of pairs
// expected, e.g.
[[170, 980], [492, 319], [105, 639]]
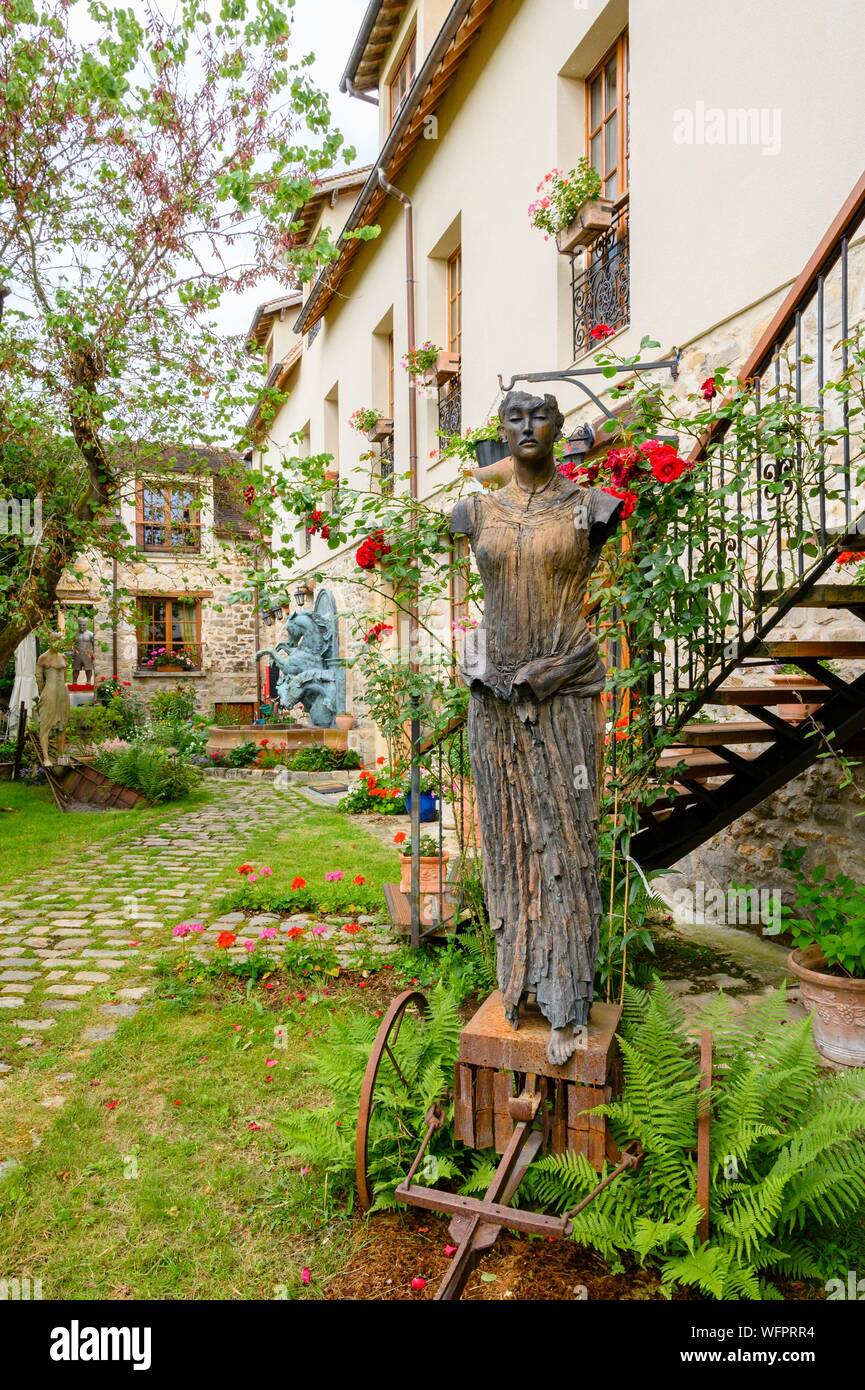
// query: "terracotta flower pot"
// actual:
[[794, 710], [429, 872], [837, 1005], [446, 367], [593, 218], [344, 722]]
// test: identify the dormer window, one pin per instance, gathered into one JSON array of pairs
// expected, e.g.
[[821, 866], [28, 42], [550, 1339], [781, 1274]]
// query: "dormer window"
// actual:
[[403, 78]]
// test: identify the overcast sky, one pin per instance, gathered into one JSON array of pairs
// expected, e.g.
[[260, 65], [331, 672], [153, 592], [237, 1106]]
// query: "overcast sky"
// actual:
[[328, 29]]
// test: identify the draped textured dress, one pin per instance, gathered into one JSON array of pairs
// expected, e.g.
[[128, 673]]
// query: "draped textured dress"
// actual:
[[536, 730]]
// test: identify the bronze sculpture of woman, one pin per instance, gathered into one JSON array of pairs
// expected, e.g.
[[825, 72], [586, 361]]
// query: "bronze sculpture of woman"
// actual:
[[536, 724]]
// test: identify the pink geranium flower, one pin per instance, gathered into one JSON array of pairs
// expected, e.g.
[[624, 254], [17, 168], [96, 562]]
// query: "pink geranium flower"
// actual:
[[334, 876]]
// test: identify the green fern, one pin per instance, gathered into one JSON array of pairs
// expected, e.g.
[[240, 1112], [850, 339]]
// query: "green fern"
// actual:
[[788, 1153], [425, 1054]]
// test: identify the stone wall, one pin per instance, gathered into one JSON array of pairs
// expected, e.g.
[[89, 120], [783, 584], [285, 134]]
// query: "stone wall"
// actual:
[[228, 671]]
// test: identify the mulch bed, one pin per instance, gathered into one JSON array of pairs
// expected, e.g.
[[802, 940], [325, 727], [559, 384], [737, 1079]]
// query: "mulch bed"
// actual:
[[396, 1247]]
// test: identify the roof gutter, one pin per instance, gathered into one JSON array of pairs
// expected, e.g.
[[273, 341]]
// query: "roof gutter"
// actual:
[[442, 43], [360, 43], [348, 86]]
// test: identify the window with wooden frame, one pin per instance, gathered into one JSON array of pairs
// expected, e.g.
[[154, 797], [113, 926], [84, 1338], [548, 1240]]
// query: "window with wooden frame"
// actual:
[[607, 119], [403, 78], [455, 301], [169, 632], [389, 368], [167, 518]]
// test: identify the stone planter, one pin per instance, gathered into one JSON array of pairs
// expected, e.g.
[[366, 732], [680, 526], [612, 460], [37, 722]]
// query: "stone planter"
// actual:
[[222, 738], [837, 1005], [381, 430], [794, 710], [592, 219], [431, 880]]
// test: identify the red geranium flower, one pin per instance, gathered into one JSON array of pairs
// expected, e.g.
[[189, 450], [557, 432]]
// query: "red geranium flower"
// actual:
[[359, 878], [297, 883], [294, 932], [850, 557], [246, 869], [600, 332], [352, 928], [399, 837], [225, 939]]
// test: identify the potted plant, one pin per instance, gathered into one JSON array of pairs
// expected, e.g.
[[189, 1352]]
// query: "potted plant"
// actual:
[[827, 925], [790, 676], [424, 361], [345, 721], [369, 421], [482, 446], [162, 660], [570, 209], [428, 799], [433, 866]]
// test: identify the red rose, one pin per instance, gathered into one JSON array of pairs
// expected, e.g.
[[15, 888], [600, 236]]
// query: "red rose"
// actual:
[[709, 390], [600, 332], [629, 500], [664, 461]]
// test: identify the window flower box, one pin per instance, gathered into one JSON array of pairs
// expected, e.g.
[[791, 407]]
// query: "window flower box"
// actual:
[[446, 368], [593, 218], [381, 430]]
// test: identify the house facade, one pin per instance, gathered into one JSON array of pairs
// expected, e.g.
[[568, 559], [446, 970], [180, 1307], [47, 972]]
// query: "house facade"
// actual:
[[171, 612], [721, 186]]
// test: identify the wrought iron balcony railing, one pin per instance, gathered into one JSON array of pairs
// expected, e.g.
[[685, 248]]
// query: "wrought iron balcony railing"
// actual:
[[386, 466], [451, 407], [601, 283]]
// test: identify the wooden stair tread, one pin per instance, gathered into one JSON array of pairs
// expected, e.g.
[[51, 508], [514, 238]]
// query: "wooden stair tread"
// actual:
[[727, 732], [699, 765], [769, 694], [852, 651], [821, 596]]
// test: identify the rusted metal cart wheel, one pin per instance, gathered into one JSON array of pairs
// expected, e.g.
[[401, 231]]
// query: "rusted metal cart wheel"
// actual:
[[383, 1050]]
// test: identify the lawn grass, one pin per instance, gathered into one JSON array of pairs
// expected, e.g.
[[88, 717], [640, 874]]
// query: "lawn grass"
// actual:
[[322, 842], [169, 1194], [36, 835]]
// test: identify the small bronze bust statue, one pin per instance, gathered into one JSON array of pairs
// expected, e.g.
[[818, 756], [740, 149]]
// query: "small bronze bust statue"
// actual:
[[536, 723], [82, 653]]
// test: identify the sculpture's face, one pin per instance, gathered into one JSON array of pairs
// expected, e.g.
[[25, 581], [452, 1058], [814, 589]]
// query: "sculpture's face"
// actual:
[[530, 427]]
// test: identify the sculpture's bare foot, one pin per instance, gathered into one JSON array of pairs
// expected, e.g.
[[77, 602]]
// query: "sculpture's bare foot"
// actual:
[[562, 1045]]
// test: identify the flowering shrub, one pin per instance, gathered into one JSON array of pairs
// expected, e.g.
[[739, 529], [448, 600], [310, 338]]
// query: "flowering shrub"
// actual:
[[561, 195], [382, 795], [420, 361], [631, 473], [375, 632]]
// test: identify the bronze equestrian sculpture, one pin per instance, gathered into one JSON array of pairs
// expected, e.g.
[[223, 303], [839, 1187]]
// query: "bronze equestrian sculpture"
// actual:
[[536, 723]]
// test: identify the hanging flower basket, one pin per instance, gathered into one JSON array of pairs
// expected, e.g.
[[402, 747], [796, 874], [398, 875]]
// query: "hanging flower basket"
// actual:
[[592, 219]]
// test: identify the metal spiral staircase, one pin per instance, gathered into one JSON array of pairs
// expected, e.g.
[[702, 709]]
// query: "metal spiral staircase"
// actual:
[[716, 771]]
